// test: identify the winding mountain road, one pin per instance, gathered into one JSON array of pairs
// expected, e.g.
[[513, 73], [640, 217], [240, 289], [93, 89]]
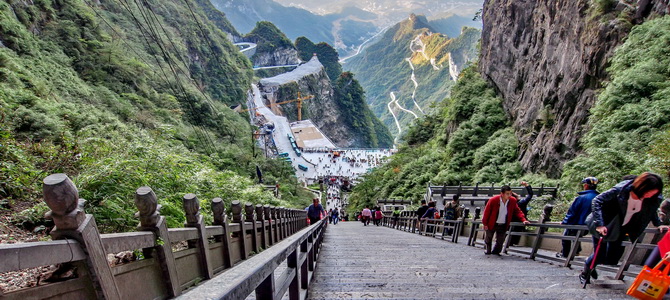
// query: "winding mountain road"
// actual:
[[360, 47]]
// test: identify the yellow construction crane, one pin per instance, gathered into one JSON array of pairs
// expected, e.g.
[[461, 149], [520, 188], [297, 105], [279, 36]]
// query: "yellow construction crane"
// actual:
[[299, 100]]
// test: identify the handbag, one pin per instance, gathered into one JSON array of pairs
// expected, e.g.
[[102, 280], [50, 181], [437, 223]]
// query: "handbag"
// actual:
[[613, 228], [651, 283]]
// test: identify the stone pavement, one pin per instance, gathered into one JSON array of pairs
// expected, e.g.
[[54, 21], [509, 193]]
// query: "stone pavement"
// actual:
[[365, 262]]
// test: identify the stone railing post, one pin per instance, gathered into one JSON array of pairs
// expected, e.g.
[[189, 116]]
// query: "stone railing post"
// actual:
[[275, 227], [249, 214], [285, 221], [150, 220], [236, 208], [67, 212], [473, 228], [194, 219], [267, 215], [280, 224], [544, 218], [220, 219], [263, 233]]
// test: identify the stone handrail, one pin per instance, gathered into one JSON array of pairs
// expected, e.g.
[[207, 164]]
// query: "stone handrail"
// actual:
[[485, 191], [162, 272], [535, 240], [256, 274]]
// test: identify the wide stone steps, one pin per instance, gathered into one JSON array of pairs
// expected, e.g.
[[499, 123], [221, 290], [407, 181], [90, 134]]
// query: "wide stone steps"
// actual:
[[368, 262]]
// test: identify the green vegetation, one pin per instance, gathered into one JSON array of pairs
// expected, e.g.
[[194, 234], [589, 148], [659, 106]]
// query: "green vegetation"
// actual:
[[350, 98], [268, 37], [383, 67], [349, 95], [327, 55], [467, 139], [143, 102], [629, 122]]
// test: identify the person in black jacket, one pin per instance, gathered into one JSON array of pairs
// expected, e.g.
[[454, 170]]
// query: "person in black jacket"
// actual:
[[419, 213], [625, 209], [523, 205]]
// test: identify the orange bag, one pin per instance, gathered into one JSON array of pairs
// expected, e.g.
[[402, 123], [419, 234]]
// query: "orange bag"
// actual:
[[651, 283]]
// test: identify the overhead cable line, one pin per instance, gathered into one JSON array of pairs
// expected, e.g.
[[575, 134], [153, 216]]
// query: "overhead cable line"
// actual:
[[166, 55], [200, 133]]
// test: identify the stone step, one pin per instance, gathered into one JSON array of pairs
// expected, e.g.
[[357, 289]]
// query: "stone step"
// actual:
[[363, 262]]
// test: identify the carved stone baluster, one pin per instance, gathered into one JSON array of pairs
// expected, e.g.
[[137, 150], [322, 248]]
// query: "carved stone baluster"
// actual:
[[544, 218], [67, 212], [267, 215], [473, 228], [284, 222], [278, 220], [249, 212], [220, 219], [150, 220], [236, 208], [276, 224], [263, 233], [194, 219]]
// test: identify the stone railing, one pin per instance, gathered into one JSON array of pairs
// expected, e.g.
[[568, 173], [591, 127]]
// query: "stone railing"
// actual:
[[535, 239], [160, 272], [295, 258]]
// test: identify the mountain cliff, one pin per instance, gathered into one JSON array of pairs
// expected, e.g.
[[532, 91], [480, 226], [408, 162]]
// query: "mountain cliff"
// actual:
[[338, 107], [273, 48], [344, 30], [118, 96], [411, 67], [563, 90], [548, 60]]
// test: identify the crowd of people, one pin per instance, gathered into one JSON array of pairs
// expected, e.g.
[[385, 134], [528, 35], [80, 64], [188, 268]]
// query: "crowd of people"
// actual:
[[344, 163], [622, 212]]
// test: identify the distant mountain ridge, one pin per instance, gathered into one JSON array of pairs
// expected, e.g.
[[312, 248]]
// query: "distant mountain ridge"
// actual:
[[410, 67], [343, 30]]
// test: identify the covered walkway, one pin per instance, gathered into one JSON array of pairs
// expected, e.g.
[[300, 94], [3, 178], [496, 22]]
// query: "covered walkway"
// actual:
[[367, 262]]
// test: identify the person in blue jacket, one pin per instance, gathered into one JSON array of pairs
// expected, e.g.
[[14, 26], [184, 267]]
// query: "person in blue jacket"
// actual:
[[578, 211]]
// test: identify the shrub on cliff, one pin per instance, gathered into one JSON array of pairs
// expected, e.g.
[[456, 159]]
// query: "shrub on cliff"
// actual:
[[632, 111]]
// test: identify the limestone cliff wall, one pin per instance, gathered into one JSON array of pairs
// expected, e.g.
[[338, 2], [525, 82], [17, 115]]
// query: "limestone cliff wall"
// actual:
[[310, 79], [277, 57], [547, 58]]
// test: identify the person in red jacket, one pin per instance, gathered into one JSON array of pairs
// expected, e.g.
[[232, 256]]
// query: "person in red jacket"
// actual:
[[497, 216]]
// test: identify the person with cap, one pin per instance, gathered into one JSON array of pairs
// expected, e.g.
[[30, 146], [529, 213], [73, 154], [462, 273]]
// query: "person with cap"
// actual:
[[578, 211]]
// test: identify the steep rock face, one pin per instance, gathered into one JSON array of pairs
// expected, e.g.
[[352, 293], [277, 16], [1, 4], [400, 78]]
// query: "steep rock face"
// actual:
[[546, 58], [309, 79], [278, 57]]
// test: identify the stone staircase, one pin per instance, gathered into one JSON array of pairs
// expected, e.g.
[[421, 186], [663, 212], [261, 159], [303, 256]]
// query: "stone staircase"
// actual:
[[368, 262]]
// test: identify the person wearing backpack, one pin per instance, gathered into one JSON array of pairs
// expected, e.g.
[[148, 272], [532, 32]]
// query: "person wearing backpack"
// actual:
[[452, 211], [396, 216]]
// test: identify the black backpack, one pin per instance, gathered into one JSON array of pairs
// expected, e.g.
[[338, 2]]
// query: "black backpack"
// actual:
[[450, 213]]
